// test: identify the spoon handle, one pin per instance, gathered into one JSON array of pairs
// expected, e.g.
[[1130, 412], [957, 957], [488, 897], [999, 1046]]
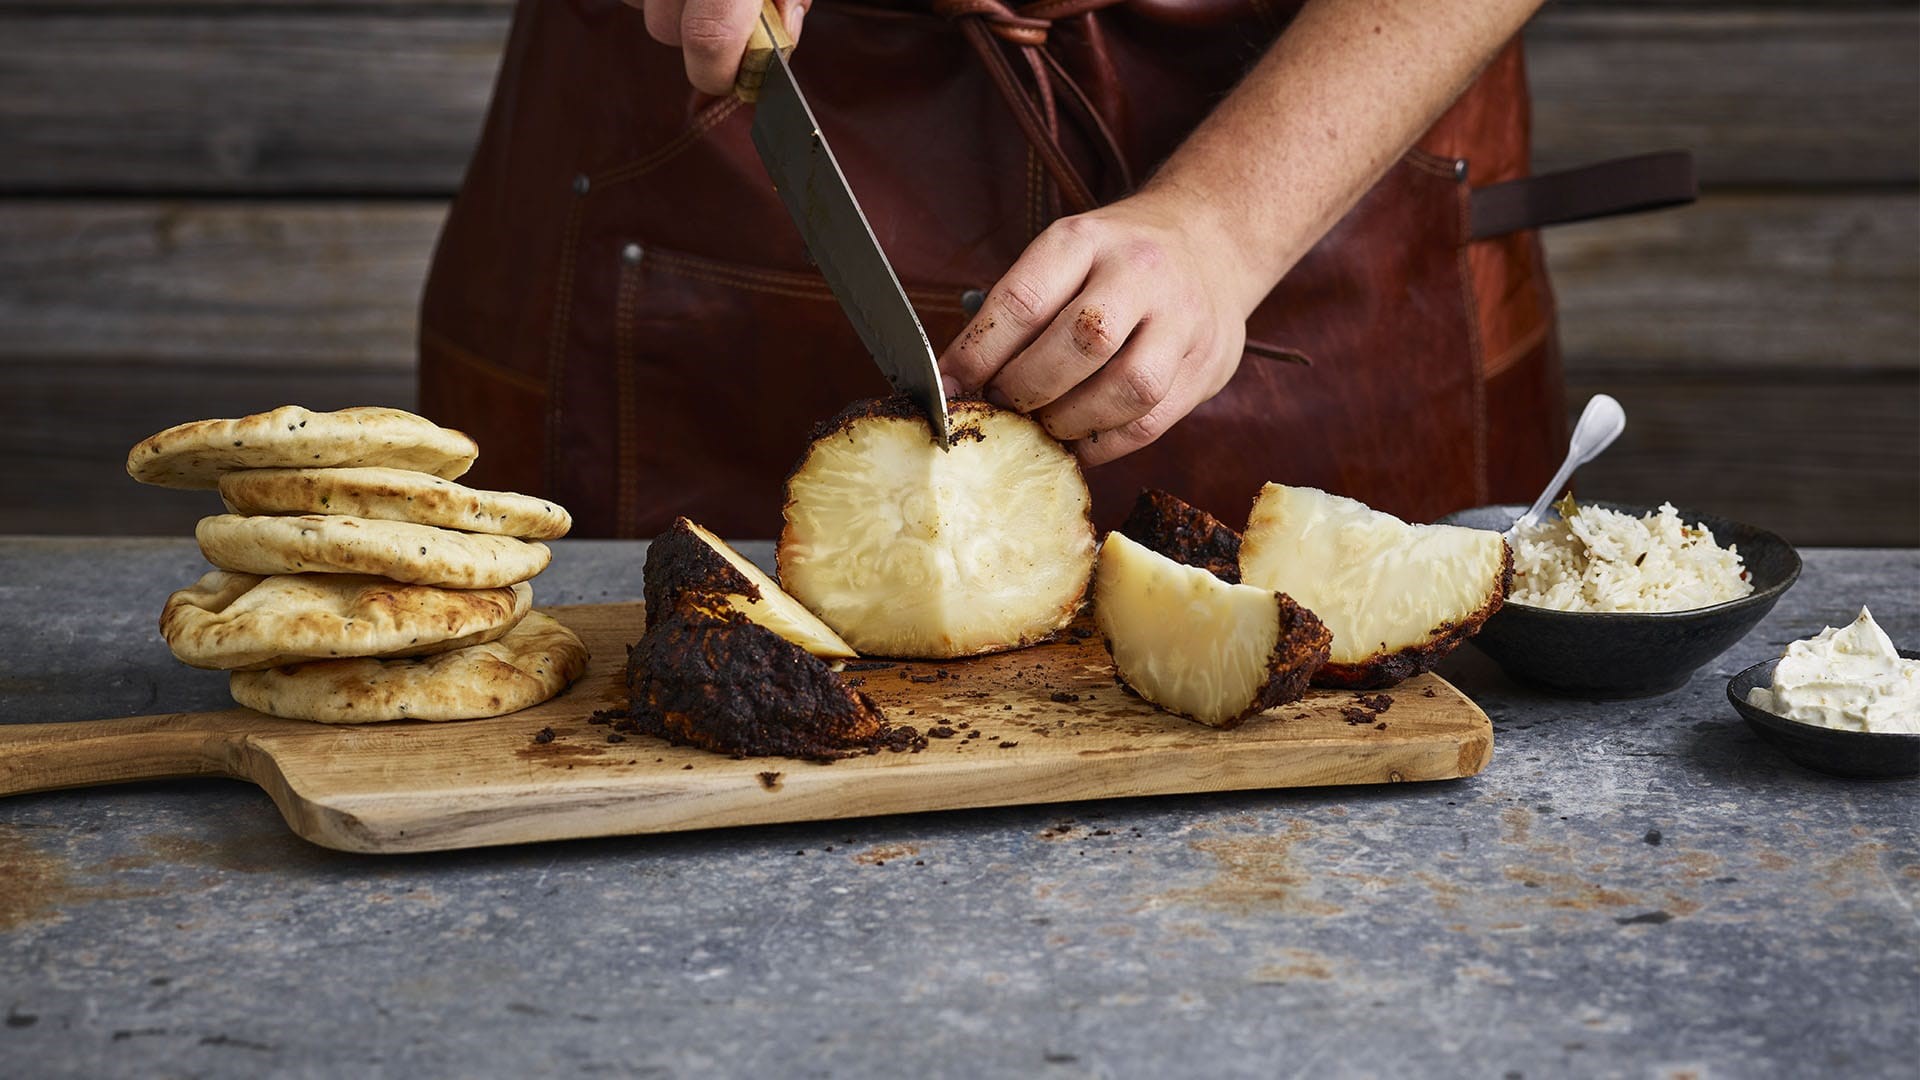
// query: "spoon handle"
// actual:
[[1601, 422]]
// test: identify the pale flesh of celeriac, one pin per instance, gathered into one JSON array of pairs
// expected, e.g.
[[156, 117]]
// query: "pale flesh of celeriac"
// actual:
[[1196, 645], [910, 551], [1397, 597], [687, 560]]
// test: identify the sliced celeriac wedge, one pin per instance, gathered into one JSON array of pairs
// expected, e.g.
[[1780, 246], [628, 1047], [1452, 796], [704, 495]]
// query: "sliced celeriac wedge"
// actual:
[[1397, 597], [687, 560], [1199, 646], [911, 551]]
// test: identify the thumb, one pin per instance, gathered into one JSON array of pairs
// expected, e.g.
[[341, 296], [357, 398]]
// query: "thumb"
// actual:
[[794, 12]]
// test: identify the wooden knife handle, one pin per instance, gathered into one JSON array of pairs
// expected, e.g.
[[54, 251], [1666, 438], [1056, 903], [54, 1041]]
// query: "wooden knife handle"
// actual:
[[769, 36]]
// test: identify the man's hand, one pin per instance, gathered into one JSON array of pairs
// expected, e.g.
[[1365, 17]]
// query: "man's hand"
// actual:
[[712, 34], [1112, 324]]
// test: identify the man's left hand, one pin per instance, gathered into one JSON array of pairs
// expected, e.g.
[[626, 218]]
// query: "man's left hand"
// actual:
[[1112, 325]]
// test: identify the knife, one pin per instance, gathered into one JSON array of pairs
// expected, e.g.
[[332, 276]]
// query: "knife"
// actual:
[[838, 238]]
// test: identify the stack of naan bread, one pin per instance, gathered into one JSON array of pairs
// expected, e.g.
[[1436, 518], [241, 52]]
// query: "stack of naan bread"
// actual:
[[357, 582]]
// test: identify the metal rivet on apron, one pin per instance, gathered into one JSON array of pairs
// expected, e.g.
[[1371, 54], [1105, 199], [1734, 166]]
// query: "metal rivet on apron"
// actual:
[[1459, 168], [581, 184], [631, 254], [972, 299]]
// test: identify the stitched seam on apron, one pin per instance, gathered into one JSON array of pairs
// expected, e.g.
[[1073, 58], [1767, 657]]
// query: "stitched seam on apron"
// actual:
[[557, 340], [443, 345], [671, 149], [626, 478], [1517, 351], [1035, 216], [1427, 161], [1476, 364], [775, 282]]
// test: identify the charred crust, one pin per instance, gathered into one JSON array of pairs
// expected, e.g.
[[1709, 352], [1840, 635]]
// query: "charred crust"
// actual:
[[1184, 533], [680, 565], [706, 676], [1303, 647], [1396, 668], [963, 415]]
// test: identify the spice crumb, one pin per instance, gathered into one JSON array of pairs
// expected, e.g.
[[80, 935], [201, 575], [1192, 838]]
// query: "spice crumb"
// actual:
[[544, 735]]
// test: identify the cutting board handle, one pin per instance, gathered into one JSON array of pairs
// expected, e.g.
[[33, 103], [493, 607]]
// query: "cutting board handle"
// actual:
[[45, 757], [769, 36]]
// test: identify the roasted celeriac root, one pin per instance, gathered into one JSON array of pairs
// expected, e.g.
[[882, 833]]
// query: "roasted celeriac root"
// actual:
[[688, 560], [1397, 597], [704, 675], [1184, 533], [910, 551], [1198, 646]]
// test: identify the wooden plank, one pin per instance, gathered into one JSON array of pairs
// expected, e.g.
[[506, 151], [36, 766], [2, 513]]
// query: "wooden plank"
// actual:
[[66, 427], [1819, 461], [258, 102], [119, 318], [210, 281], [1778, 282], [1749, 281], [369, 97], [483, 782], [1761, 97]]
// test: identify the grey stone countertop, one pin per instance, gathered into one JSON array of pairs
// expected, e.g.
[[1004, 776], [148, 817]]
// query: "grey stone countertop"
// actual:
[[1635, 888]]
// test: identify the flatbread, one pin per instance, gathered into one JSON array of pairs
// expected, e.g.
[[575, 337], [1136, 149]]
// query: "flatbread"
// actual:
[[194, 455], [533, 662], [393, 495], [337, 544], [234, 621]]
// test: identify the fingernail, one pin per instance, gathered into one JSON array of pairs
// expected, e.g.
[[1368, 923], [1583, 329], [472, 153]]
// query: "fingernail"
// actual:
[[949, 385]]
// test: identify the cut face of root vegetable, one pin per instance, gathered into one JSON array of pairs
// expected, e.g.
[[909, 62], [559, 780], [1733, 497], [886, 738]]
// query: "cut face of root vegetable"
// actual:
[[1198, 646], [1184, 533], [1398, 597], [687, 560], [704, 675], [910, 551]]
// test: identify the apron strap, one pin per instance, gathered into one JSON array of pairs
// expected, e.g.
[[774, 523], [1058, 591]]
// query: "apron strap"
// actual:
[[1603, 189]]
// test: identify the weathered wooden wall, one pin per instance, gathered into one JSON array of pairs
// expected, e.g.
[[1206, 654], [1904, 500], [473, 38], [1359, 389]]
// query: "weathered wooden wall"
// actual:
[[212, 206]]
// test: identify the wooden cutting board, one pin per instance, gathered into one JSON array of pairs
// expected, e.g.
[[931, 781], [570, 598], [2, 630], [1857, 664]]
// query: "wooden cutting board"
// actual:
[[1053, 727]]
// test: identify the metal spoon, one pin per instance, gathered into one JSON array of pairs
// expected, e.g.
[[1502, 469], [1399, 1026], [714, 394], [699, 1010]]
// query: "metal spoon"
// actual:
[[1601, 422]]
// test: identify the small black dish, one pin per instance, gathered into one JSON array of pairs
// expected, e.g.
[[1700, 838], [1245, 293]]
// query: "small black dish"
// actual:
[[1625, 654], [1857, 755]]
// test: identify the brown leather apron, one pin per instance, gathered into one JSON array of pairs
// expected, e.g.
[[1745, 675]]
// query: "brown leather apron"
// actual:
[[622, 314]]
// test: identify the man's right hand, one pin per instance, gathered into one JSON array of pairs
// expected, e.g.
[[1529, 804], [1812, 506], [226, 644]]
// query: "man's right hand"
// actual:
[[712, 34]]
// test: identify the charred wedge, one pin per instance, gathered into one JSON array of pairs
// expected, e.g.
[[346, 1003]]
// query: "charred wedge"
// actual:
[[907, 550], [1198, 646], [705, 675], [1184, 533], [687, 560], [1397, 597]]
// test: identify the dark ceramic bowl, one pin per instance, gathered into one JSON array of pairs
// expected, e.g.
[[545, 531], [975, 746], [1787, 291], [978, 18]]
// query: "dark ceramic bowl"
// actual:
[[1621, 654], [1860, 755]]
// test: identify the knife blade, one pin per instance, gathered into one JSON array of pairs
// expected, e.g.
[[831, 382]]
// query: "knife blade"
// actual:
[[838, 238]]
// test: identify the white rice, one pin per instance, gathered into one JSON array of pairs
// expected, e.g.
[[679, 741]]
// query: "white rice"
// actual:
[[1603, 560]]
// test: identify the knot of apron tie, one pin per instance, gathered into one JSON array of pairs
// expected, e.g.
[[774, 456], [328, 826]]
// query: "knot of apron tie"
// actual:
[[992, 28]]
